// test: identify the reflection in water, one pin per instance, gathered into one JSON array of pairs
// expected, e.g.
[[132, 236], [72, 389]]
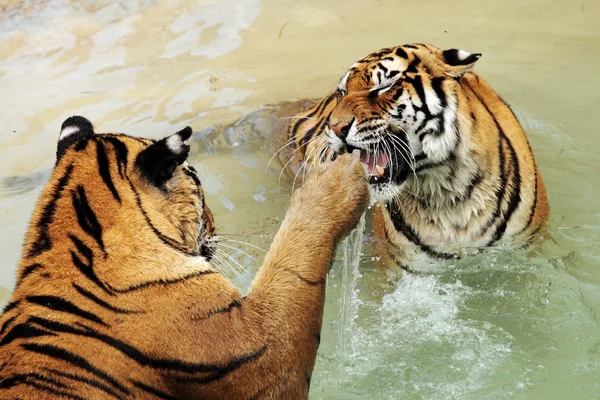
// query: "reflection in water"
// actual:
[[493, 326]]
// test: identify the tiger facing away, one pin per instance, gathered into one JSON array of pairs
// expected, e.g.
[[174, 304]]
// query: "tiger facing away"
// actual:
[[448, 161], [116, 296]]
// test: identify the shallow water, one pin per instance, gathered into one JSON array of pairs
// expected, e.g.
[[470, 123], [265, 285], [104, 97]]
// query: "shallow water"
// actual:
[[503, 325]]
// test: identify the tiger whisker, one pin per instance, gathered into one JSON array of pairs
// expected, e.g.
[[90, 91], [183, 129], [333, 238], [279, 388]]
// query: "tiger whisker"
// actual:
[[242, 242], [335, 69], [296, 176], [300, 117], [232, 269], [289, 142], [236, 249], [291, 159]]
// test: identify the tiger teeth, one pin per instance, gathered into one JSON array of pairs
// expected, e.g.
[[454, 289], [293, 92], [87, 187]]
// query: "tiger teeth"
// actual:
[[379, 170]]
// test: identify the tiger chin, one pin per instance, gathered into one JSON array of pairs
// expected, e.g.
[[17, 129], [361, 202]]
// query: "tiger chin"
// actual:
[[448, 162], [116, 296]]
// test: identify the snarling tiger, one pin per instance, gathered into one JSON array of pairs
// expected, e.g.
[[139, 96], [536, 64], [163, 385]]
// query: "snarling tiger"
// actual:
[[447, 159], [116, 296]]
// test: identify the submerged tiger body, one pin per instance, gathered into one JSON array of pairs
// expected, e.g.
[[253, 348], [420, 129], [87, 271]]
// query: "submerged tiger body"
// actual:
[[449, 164], [116, 296]]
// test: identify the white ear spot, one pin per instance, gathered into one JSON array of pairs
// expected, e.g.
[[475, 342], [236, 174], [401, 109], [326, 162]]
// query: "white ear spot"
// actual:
[[174, 143], [68, 131], [463, 55]]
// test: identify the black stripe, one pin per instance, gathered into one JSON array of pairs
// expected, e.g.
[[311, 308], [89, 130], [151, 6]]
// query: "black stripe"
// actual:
[[397, 95], [401, 53], [85, 215], [10, 306], [231, 366], [43, 242], [303, 279], [121, 153], [143, 359], [477, 179], [317, 109], [92, 382], [101, 302], [316, 128], [32, 379], [436, 84], [191, 172], [450, 159], [6, 324], [53, 391], [27, 271], [535, 194], [502, 189], [24, 331], [163, 282], [149, 389], [535, 178], [104, 170], [382, 67], [420, 157], [165, 239], [234, 304], [320, 123], [412, 67], [515, 196], [401, 226], [73, 359], [117, 136], [59, 304], [46, 379], [501, 166], [417, 83], [86, 269]]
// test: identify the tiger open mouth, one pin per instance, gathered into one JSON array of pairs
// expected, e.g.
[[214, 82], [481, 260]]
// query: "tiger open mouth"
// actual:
[[384, 163]]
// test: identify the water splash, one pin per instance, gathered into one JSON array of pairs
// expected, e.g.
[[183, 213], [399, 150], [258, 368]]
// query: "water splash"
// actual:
[[349, 302]]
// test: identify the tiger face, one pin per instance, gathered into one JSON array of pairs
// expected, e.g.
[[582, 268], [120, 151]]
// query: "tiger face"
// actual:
[[398, 107], [129, 175]]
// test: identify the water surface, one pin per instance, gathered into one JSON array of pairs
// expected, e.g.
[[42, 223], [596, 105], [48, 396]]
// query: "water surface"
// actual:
[[495, 326]]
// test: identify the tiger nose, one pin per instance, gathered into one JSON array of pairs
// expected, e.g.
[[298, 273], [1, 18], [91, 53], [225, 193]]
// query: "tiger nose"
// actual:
[[341, 129]]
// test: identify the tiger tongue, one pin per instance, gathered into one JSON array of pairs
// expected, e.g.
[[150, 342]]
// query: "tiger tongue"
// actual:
[[375, 165]]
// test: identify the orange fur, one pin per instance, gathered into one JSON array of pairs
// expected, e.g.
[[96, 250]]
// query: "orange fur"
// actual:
[[471, 179], [127, 307]]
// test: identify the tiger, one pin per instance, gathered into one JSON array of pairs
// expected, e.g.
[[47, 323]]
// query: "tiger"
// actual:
[[449, 165], [116, 296]]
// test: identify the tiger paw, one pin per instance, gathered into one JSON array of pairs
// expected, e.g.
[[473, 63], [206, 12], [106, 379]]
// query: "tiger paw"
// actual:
[[335, 195]]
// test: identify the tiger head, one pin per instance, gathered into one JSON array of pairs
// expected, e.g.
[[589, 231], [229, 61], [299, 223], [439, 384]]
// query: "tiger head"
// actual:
[[121, 196], [400, 107]]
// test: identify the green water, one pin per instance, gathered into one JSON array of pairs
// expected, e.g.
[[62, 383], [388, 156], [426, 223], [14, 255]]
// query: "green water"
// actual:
[[502, 325]]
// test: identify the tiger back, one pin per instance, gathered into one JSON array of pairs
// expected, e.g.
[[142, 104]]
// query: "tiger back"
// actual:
[[116, 296], [449, 164]]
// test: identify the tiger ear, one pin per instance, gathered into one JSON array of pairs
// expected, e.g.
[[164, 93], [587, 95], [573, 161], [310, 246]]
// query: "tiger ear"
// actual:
[[159, 160], [74, 128], [459, 62]]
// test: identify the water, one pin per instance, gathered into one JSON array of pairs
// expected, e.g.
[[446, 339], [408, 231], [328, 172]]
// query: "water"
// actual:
[[518, 325], [349, 302]]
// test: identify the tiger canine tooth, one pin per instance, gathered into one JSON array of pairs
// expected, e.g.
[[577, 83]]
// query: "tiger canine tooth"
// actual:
[[379, 170], [356, 153]]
